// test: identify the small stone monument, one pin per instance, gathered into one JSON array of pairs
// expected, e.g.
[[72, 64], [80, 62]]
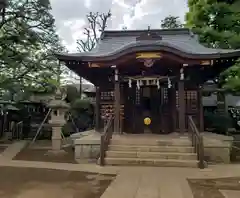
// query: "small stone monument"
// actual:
[[59, 108]]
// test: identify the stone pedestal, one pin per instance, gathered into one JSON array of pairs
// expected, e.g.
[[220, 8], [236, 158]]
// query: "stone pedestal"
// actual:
[[87, 148], [217, 148], [56, 138]]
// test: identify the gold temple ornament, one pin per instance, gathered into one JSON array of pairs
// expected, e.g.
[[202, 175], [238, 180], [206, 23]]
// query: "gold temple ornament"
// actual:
[[147, 121], [148, 58], [148, 62]]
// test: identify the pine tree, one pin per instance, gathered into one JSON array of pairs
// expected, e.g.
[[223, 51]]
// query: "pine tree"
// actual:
[[27, 41], [171, 22], [218, 24]]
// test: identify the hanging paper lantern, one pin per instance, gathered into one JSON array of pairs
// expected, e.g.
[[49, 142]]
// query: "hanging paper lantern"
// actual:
[[181, 74], [158, 84], [138, 84], [169, 83], [147, 82], [130, 83]]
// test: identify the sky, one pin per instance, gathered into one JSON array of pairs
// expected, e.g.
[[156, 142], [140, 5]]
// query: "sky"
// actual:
[[133, 14]]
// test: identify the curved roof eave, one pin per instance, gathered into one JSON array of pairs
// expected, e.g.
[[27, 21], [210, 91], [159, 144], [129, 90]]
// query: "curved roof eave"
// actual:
[[134, 48]]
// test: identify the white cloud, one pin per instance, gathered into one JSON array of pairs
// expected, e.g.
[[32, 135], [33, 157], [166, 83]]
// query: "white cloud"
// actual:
[[134, 14]]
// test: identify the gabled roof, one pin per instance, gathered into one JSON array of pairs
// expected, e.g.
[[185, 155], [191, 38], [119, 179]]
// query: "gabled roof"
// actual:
[[182, 42]]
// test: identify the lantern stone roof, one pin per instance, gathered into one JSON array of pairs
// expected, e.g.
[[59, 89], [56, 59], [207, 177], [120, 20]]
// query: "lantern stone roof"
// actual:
[[182, 42], [57, 102]]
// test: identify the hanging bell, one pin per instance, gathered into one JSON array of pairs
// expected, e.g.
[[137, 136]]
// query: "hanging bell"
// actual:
[[129, 83]]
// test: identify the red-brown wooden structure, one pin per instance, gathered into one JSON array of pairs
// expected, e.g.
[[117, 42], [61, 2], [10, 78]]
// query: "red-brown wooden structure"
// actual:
[[153, 73]]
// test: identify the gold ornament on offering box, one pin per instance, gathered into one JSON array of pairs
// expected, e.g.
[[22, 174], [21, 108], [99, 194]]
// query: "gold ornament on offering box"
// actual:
[[147, 121]]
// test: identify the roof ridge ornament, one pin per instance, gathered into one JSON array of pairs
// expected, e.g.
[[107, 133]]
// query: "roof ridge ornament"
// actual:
[[148, 36]]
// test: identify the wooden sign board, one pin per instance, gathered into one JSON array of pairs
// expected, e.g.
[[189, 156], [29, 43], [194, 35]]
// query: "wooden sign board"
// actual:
[[148, 55]]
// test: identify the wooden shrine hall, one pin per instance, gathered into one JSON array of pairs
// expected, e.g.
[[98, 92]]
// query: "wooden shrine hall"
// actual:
[[149, 73]]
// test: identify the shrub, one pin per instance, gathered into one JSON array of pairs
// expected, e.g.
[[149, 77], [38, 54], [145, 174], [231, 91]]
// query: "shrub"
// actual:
[[82, 113], [219, 123]]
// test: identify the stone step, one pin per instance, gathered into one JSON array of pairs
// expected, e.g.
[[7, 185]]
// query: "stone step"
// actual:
[[151, 162], [151, 155], [152, 142], [150, 148]]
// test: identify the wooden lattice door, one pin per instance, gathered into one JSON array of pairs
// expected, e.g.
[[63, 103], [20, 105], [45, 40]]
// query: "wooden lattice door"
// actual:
[[192, 106], [132, 111], [165, 111], [155, 110]]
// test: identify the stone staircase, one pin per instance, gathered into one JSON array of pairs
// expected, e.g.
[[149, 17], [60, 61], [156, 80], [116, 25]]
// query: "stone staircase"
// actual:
[[166, 152]]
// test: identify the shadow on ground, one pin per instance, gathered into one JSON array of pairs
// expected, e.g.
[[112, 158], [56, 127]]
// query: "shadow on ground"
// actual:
[[39, 151], [38, 183], [211, 188]]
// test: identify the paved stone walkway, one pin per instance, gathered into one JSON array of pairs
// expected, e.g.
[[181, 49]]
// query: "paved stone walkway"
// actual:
[[11, 151], [136, 182]]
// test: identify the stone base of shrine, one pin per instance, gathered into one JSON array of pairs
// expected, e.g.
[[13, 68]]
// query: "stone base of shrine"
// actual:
[[87, 148], [217, 148]]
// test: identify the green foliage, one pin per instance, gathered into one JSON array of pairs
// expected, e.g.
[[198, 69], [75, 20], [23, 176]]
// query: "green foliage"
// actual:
[[82, 111], [231, 78], [72, 93], [218, 24], [27, 41], [171, 22], [219, 123]]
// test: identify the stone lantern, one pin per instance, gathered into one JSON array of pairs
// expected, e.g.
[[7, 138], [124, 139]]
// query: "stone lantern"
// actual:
[[59, 108], [3, 4]]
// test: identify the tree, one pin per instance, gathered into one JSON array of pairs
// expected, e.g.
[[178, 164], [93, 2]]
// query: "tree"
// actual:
[[27, 41], [217, 22], [171, 22], [97, 23]]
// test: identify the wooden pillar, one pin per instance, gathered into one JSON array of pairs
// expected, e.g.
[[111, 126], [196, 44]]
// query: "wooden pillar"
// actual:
[[117, 103], [97, 111], [182, 110], [172, 106], [201, 116]]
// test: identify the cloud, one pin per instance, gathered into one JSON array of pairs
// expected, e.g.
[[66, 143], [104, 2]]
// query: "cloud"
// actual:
[[134, 14]]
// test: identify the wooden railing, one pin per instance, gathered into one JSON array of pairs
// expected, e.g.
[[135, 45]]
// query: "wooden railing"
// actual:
[[18, 130], [105, 140], [197, 142]]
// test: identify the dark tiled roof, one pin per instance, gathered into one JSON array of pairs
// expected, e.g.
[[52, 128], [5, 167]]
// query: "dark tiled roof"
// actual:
[[180, 40]]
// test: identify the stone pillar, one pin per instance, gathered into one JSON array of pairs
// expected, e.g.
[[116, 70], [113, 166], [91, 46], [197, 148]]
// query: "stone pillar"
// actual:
[[59, 108], [56, 138]]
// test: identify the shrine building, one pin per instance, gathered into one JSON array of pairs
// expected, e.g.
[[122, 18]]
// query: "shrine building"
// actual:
[[149, 73]]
